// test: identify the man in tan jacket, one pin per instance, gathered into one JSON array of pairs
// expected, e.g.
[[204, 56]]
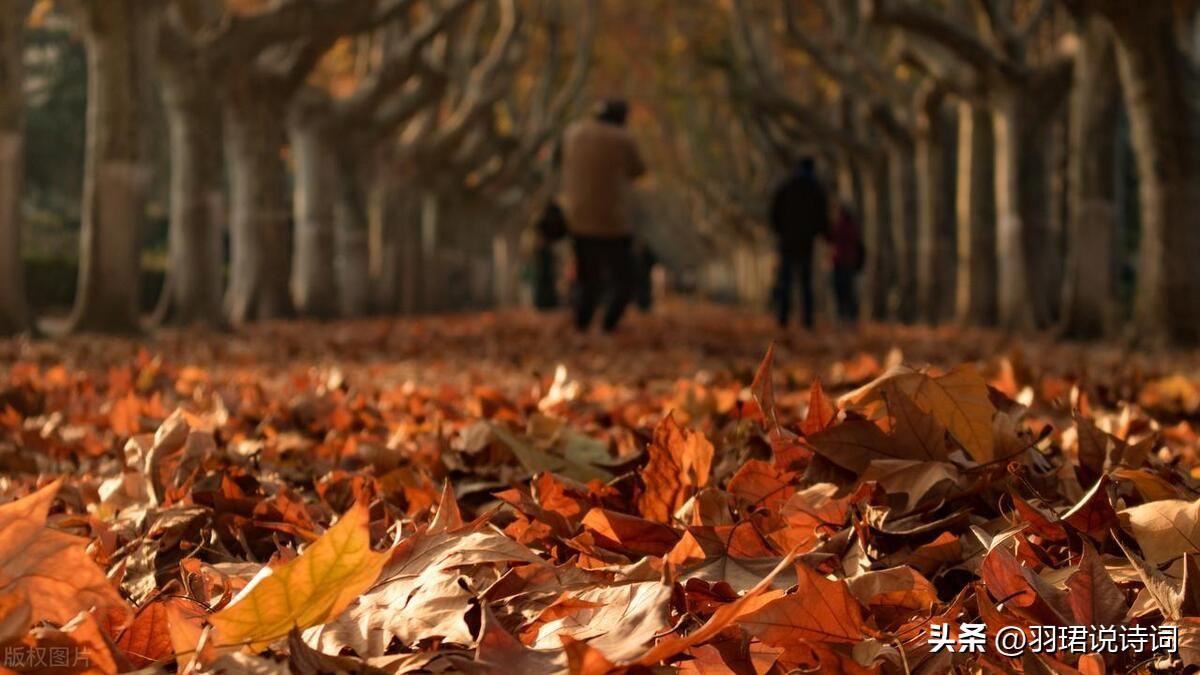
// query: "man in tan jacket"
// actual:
[[600, 162]]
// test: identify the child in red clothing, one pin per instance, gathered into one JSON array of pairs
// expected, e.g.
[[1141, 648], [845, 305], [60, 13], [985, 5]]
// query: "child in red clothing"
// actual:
[[848, 254]]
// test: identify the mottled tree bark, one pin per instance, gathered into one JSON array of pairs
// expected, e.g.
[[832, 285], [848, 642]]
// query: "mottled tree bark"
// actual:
[[1158, 81], [901, 184], [975, 295], [120, 38], [933, 243], [352, 218], [1095, 97], [1021, 215], [197, 201], [875, 268], [259, 219], [14, 311], [314, 199]]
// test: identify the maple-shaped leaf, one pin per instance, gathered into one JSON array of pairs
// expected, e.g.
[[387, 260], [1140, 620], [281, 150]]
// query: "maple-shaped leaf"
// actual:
[[958, 400], [1165, 529], [680, 461], [50, 569], [820, 610], [307, 591]]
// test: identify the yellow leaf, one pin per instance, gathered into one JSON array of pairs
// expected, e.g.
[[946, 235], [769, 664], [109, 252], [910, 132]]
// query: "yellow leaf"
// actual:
[[51, 570], [308, 591]]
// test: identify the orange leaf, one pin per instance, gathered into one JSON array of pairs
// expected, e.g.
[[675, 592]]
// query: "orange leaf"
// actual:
[[821, 610], [679, 464], [51, 569]]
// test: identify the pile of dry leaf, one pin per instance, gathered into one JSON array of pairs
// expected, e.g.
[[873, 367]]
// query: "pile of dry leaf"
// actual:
[[488, 493]]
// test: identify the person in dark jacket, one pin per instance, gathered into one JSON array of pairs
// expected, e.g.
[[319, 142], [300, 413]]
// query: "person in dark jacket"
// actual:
[[799, 213], [600, 162]]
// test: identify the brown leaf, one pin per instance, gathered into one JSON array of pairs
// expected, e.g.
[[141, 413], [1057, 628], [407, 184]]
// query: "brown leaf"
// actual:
[[619, 531], [1019, 587], [680, 461], [1094, 598], [618, 620], [418, 594], [761, 485], [821, 412], [958, 400], [721, 619], [1165, 529], [763, 390], [820, 610], [897, 588], [148, 638]]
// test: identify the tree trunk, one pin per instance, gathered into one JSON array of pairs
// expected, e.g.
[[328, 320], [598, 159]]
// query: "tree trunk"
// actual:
[[314, 198], [933, 244], [874, 283], [1014, 208], [259, 220], [353, 220], [902, 214], [1095, 97], [396, 244], [1156, 77], [14, 311], [196, 199], [120, 46], [975, 298], [432, 289]]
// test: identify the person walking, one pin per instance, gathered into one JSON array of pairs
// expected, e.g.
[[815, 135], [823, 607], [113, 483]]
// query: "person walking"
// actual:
[[600, 161], [799, 213], [846, 241]]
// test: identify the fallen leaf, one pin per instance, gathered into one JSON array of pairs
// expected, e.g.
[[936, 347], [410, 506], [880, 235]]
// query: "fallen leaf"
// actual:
[[1165, 529], [310, 590], [820, 610], [50, 569], [680, 461]]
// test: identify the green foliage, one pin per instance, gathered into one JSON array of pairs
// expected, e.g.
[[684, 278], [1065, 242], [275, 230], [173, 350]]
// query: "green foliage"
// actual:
[[51, 282], [56, 120]]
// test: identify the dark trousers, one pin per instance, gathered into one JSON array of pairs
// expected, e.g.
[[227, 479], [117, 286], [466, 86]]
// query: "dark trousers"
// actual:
[[795, 263], [847, 296], [604, 266], [545, 293]]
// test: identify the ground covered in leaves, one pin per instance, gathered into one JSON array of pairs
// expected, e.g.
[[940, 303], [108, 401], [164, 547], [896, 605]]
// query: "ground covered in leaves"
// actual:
[[490, 492]]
